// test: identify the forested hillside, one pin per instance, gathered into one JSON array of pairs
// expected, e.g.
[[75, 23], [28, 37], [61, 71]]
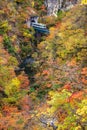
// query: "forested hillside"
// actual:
[[43, 77]]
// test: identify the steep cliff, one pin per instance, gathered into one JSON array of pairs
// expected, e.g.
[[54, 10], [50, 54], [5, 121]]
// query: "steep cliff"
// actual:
[[53, 6]]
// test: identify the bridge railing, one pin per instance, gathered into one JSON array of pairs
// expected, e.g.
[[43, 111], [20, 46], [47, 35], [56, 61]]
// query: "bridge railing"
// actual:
[[40, 27]]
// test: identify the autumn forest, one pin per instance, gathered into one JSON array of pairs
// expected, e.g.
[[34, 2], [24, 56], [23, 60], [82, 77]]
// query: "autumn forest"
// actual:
[[43, 65]]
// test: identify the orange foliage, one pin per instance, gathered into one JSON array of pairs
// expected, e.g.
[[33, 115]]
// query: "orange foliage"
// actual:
[[67, 86], [58, 24], [84, 75], [77, 95], [72, 63], [25, 103], [37, 75], [7, 110], [1, 39], [45, 72], [84, 71], [84, 80], [24, 81], [49, 85], [35, 128]]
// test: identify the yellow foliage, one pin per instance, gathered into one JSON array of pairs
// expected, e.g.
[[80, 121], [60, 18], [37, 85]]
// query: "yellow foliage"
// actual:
[[15, 82], [4, 24], [13, 38], [52, 29], [51, 93], [82, 111], [1, 11], [57, 99], [27, 35], [84, 2], [78, 128], [12, 61], [32, 3], [12, 87]]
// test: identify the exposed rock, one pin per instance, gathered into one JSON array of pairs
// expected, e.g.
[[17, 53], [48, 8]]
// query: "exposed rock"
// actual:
[[53, 6]]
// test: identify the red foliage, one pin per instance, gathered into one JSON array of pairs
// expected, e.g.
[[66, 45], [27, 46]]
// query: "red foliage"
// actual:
[[67, 86], [7, 110], [45, 72], [84, 80], [77, 95], [84, 71], [49, 85], [24, 81], [58, 24], [26, 103]]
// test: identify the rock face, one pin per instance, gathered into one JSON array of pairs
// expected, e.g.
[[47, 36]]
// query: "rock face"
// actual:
[[54, 5]]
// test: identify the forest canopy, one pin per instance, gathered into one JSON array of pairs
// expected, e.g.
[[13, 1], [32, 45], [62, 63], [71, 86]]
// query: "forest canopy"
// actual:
[[43, 77]]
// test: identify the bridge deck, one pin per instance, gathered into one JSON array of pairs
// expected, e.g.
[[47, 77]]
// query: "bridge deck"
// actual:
[[40, 27]]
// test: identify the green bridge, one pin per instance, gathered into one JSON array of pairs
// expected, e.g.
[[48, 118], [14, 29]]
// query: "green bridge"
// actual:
[[40, 27]]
